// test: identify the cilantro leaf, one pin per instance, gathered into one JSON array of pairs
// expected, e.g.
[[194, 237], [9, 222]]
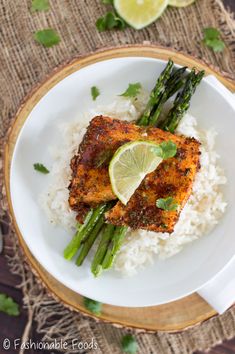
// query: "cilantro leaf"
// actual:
[[211, 33], [40, 168], [168, 204], [129, 344], [94, 92], [107, 2], [47, 37], [93, 306], [40, 5], [216, 44], [132, 91], [212, 39], [166, 149], [110, 21], [8, 305]]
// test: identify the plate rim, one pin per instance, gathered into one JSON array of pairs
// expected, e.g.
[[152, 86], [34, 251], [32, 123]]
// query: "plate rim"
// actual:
[[52, 79]]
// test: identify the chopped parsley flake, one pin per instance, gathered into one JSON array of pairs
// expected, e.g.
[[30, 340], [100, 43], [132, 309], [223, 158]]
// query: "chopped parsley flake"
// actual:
[[40, 168], [168, 204], [40, 5], [110, 21], [8, 305], [132, 91], [165, 150], [129, 344], [93, 306], [95, 92], [47, 37], [212, 39]]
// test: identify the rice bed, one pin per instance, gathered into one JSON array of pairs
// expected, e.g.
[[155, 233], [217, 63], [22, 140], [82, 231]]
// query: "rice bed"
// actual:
[[199, 216]]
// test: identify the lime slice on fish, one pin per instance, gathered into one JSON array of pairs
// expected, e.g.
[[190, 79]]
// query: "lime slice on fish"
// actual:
[[180, 3], [140, 13], [129, 166]]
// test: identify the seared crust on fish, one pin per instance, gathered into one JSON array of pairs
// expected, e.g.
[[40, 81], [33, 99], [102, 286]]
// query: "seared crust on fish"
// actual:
[[90, 184]]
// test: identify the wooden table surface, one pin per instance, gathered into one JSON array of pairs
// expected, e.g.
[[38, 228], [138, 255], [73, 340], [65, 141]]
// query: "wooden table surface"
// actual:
[[12, 327]]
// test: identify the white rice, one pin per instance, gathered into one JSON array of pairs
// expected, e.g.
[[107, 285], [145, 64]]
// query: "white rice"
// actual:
[[201, 213]]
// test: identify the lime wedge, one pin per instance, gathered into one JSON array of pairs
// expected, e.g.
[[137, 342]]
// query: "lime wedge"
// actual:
[[180, 3], [140, 13], [129, 166]]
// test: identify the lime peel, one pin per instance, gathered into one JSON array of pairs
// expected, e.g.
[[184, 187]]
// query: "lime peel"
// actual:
[[140, 13], [129, 166], [180, 3]]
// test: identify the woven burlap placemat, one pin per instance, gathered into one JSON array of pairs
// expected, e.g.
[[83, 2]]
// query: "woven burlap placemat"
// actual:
[[23, 63]]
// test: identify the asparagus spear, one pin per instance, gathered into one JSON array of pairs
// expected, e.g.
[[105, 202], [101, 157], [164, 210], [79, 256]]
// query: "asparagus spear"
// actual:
[[156, 93], [182, 101], [114, 246], [83, 232], [107, 234], [174, 83], [90, 240]]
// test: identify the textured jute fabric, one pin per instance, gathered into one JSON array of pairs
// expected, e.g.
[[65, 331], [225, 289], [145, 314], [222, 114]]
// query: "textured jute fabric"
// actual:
[[23, 63]]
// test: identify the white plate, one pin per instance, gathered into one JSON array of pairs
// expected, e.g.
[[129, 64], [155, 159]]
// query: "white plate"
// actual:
[[165, 280]]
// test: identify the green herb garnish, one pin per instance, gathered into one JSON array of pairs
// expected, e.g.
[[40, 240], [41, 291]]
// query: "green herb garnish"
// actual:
[[47, 37], [107, 2], [133, 90], [129, 344], [40, 5], [110, 21], [212, 39], [168, 204], [93, 306], [40, 168], [166, 149], [8, 305], [95, 92]]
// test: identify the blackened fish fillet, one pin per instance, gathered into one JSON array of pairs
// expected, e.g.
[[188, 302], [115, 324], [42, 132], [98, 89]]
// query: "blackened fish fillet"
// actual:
[[174, 177]]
